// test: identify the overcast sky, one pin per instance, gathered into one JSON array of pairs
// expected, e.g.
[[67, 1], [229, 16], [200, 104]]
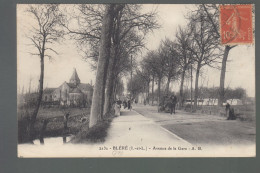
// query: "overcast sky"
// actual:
[[240, 68]]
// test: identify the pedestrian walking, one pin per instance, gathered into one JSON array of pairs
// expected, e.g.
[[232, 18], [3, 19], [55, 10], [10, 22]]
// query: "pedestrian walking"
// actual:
[[129, 104], [125, 104], [117, 108], [173, 99], [119, 102]]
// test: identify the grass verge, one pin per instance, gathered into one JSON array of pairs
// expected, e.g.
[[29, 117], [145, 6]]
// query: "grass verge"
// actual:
[[95, 134]]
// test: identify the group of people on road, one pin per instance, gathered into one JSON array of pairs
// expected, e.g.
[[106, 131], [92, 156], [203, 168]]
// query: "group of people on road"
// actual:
[[169, 102], [126, 103]]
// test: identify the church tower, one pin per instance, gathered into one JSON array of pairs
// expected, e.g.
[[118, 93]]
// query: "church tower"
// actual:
[[75, 78]]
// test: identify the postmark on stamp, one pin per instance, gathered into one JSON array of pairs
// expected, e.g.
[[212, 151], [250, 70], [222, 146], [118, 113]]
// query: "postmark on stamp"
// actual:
[[236, 24]]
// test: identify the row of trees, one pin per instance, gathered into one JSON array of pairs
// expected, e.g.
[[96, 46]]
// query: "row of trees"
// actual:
[[212, 93], [123, 30], [195, 46], [106, 35]]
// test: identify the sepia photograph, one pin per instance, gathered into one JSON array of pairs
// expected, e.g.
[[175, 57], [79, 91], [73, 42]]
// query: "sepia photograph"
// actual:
[[135, 80]]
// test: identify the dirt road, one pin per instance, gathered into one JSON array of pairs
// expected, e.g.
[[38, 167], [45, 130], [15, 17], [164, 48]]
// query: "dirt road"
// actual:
[[202, 129]]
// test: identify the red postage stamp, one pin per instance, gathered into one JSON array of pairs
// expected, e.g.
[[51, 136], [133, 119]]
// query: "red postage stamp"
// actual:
[[236, 24]]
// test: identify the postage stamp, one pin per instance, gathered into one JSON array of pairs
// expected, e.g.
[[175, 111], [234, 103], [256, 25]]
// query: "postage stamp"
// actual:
[[236, 24]]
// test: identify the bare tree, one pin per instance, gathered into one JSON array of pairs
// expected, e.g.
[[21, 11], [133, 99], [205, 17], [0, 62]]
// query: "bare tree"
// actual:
[[183, 40], [111, 10], [172, 63], [148, 74], [43, 36], [83, 24], [205, 47], [156, 62], [145, 74], [110, 83], [212, 12], [130, 29], [137, 85], [128, 32]]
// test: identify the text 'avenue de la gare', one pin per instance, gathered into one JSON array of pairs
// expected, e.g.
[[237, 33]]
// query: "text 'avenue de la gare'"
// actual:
[[145, 148]]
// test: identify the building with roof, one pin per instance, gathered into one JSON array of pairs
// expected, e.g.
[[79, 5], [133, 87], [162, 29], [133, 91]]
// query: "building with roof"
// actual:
[[72, 93], [47, 94]]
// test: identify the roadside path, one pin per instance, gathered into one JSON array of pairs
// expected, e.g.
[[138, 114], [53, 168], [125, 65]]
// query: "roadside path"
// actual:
[[135, 129]]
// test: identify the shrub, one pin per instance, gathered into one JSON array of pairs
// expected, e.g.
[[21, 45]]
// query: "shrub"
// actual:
[[94, 134]]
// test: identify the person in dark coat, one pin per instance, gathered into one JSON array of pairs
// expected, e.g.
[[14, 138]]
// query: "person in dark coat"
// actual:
[[173, 103], [230, 112], [119, 102], [227, 109], [129, 104], [117, 108], [125, 104]]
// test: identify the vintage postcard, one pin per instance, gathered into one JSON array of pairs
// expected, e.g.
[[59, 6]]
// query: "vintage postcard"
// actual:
[[136, 80]]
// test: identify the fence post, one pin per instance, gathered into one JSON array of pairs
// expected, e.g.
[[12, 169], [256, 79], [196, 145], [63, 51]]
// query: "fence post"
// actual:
[[45, 122], [65, 130]]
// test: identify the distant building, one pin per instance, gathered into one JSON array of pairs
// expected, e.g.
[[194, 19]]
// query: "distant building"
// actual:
[[203, 102], [235, 102], [208, 101], [70, 93], [47, 94]]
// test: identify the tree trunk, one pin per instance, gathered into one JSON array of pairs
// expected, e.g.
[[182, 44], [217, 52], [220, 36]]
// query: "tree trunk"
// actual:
[[131, 75], [181, 87], [110, 83], [168, 84], [191, 80], [39, 99], [144, 93], [196, 86], [222, 76], [115, 89], [159, 93], [42, 131], [103, 61], [153, 90], [109, 94], [112, 67], [148, 92]]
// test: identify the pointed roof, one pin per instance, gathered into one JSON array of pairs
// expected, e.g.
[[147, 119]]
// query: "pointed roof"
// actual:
[[75, 78]]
